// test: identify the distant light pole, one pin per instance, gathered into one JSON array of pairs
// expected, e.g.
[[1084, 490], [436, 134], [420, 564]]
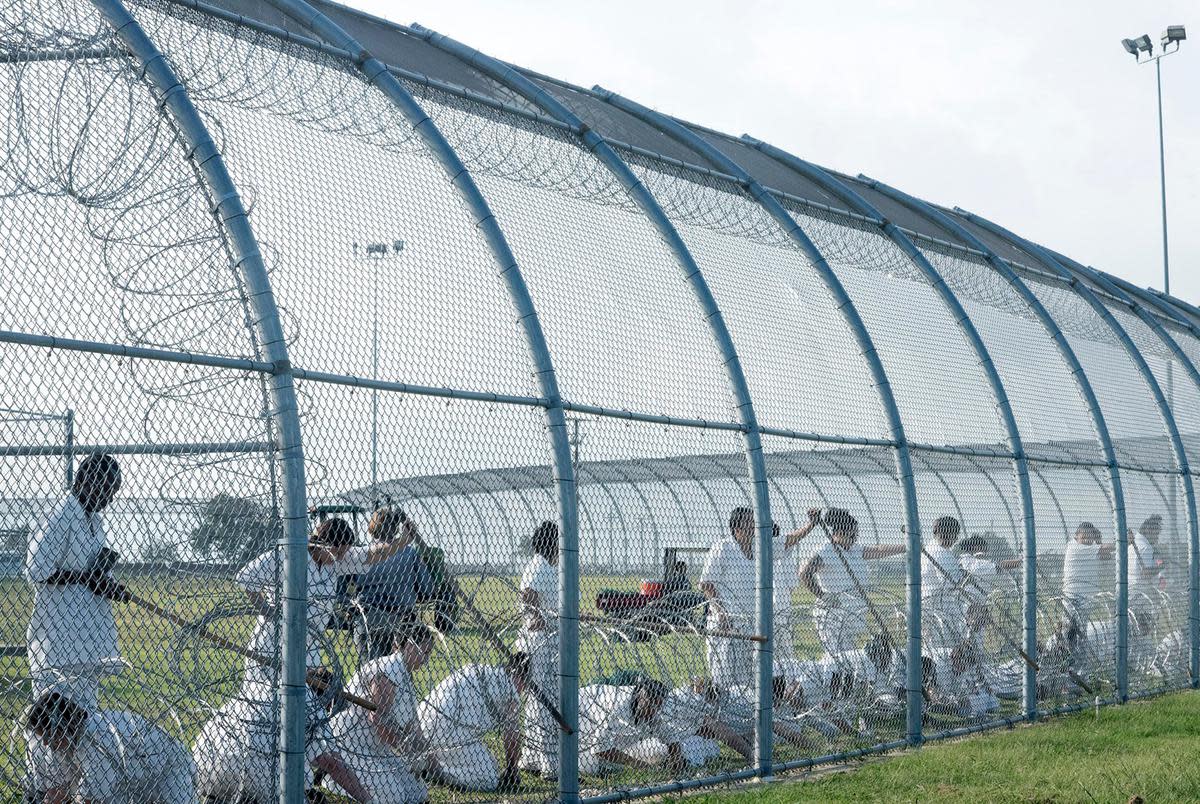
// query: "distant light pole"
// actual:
[[375, 253], [1137, 48]]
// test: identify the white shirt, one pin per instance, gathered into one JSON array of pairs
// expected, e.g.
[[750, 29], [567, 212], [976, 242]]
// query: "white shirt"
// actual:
[[69, 627], [1141, 561], [832, 578], [122, 757], [467, 705], [943, 578], [980, 573], [786, 579], [606, 721], [542, 577], [733, 576], [355, 735], [260, 576], [1082, 578]]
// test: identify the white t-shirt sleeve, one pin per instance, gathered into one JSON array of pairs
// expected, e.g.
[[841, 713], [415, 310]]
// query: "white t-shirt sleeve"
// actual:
[[48, 546], [404, 702], [715, 564], [354, 562], [260, 574], [542, 578]]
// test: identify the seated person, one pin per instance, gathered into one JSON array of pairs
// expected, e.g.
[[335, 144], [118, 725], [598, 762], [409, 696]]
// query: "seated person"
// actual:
[[381, 746], [108, 756], [613, 719], [235, 752], [469, 704]]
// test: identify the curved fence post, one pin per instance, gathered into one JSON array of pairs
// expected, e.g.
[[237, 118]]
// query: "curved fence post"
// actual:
[[1185, 469], [775, 210], [1099, 425], [1160, 400], [376, 74], [231, 214], [599, 147], [858, 204]]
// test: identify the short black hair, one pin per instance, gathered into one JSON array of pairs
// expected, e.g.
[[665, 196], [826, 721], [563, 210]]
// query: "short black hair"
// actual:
[[417, 633], [1088, 528], [649, 688], [334, 533], [973, 544], [1153, 521], [946, 527], [839, 519], [57, 716], [98, 468], [741, 517], [545, 539], [518, 666]]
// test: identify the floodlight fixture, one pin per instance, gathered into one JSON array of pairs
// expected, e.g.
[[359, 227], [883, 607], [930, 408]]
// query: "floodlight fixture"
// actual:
[[1144, 44], [1174, 34], [1130, 47]]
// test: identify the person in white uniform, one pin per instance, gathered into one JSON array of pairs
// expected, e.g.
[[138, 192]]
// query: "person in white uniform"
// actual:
[[614, 719], [72, 636], [331, 554], [466, 706], [729, 580], [785, 580], [538, 607], [1143, 569], [382, 747], [236, 750], [689, 713], [942, 582], [108, 756], [837, 577], [1083, 579]]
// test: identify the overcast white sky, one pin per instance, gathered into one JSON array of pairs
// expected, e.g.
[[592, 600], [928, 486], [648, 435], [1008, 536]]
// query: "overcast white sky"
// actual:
[[1029, 113]]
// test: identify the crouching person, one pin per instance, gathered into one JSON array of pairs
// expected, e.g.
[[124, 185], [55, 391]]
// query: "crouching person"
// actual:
[[615, 719], [466, 706], [236, 749], [107, 756], [380, 746]]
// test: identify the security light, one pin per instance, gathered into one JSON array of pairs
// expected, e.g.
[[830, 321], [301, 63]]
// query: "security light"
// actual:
[[1174, 33], [1144, 44], [1130, 46]]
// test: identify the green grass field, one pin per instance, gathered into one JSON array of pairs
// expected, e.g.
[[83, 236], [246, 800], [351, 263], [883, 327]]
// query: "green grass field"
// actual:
[[1144, 749]]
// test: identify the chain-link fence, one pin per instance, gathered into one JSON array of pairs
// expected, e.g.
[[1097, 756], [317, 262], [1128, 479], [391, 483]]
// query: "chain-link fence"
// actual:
[[399, 424]]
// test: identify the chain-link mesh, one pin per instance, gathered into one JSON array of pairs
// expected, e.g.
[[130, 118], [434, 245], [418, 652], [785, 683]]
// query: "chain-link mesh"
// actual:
[[144, 467]]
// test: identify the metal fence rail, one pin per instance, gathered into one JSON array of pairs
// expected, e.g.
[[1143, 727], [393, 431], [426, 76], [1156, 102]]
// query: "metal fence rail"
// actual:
[[380, 416]]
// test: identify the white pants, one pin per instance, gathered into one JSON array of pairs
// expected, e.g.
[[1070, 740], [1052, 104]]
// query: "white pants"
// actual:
[[389, 781], [696, 750], [839, 629], [470, 766], [175, 782], [540, 738], [730, 661], [235, 758]]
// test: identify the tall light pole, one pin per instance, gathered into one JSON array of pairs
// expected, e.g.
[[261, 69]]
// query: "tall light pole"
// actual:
[[1142, 49], [375, 253]]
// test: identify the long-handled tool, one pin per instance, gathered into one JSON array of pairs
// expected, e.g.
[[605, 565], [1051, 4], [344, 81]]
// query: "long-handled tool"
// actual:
[[314, 678], [664, 628]]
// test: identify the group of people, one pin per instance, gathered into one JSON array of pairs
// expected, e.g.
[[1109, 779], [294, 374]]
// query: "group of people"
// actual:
[[377, 740], [374, 740]]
